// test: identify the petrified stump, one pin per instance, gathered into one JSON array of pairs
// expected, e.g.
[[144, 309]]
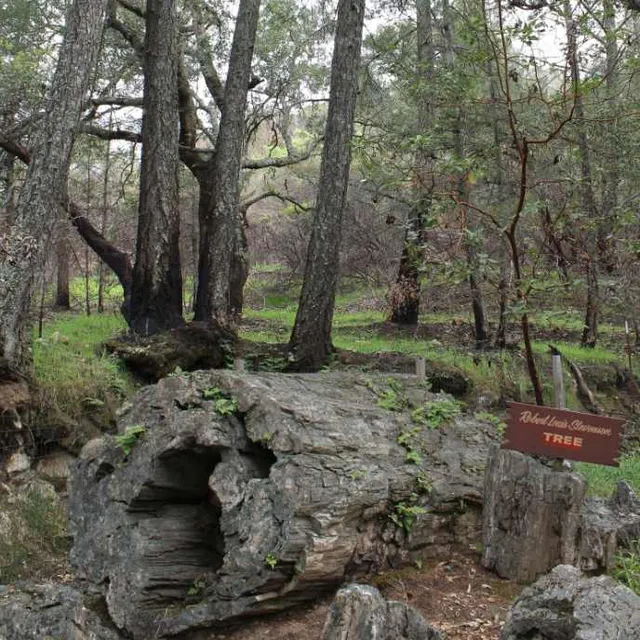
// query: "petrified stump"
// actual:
[[359, 612], [565, 605], [531, 517], [229, 495], [193, 346]]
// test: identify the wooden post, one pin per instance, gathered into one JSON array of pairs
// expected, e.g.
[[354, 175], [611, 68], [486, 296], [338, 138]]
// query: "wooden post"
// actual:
[[628, 346], [421, 368], [558, 383], [238, 364]]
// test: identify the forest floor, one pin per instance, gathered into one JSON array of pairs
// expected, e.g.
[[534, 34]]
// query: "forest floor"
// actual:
[[457, 596]]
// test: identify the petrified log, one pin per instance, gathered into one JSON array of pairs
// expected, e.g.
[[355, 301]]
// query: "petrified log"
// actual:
[[230, 495], [565, 605], [531, 518], [359, 612]]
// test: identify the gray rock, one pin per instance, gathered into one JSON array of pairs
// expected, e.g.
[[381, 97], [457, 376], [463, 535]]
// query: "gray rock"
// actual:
[[359, 612], [565, 605], [606, 526], [211, 518], [35, 612]]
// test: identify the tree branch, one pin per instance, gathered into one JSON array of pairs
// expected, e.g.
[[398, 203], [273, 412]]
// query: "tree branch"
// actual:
[[14, 148], [109, 134], [286, 161], [113, 257]]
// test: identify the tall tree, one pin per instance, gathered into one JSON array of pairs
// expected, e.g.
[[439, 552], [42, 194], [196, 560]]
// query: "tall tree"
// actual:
[[405, 294], [222, 242], [22, 253], [156, 289], [588, 204], [311, 337]]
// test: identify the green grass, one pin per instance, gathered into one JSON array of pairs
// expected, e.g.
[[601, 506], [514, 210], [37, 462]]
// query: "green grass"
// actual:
[[627, 567], [73, 377], [32, 536], [602, 480]]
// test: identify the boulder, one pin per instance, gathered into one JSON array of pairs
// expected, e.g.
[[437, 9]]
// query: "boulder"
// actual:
[[34, 612], [230, 495], [606, 526], [359, 612], [565, 605]]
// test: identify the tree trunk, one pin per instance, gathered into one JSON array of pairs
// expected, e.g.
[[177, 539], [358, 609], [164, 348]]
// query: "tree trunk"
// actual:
[[504, 291], [531, 516], [311, 336], [404, 297], [611, 178], [156, 291], [588, 206], [104, 216], [471, 230], [63, 300], [23, 254], [222, 248], [7, 163]]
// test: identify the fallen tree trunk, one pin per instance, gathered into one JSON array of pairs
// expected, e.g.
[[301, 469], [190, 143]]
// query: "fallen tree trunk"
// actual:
[[228, 495]]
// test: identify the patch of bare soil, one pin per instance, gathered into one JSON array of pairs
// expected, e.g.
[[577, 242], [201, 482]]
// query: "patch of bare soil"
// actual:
[[457, 596]]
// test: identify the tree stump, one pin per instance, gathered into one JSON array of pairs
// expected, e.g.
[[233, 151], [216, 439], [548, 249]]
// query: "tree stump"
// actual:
[[531, 518]]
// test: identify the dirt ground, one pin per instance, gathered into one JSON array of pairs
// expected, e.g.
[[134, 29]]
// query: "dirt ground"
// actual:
[[456, 596]]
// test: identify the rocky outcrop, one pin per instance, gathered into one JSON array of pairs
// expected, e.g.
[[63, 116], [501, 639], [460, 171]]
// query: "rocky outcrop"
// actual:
[[50, 611], [606, 526], [359, 612], [229, 495], [565, 605]]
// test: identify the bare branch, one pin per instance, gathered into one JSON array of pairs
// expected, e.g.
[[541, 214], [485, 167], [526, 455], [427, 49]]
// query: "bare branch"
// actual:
[[117, 101], [272, 194], [109, 134], [285, 161], [14, 148], [130, 6]]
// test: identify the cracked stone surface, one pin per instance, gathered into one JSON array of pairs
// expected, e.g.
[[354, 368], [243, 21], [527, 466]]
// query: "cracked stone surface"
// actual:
[[565, 605], [212, 518], [359, 612]]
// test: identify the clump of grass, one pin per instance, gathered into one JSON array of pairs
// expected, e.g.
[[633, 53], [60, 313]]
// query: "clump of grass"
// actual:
[[74, 377], [627, 567], [33, 539], [602, 480]]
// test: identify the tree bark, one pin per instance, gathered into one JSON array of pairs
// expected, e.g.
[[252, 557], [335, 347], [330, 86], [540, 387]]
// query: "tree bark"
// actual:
[[223, 263], [23, 253], [471, 229], [7, 163], [611, 178], [404, 298], [311, 337], [587, 198], [156, 290], [63, 299]]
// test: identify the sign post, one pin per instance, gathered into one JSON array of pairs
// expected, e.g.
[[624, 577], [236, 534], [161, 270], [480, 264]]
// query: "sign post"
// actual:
[[563, 434]]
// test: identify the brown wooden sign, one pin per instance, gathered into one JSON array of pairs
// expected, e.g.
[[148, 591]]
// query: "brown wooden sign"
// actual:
[[563, 434]]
